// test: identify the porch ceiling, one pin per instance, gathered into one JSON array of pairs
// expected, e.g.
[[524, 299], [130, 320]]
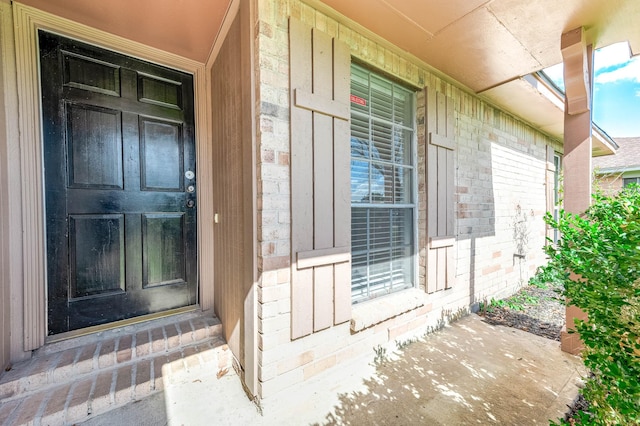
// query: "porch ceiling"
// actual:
[[480, 43], [184, 27], [486, 45], [491, 46]]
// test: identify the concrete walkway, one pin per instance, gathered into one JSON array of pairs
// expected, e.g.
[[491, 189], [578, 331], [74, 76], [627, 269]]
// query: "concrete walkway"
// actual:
[[469, 373]]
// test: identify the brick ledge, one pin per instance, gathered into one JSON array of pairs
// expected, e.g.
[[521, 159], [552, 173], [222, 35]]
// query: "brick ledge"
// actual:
[[377, 310]]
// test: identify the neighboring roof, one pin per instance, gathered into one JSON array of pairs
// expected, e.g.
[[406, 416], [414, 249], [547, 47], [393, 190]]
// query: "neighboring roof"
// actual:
[[626, 158]]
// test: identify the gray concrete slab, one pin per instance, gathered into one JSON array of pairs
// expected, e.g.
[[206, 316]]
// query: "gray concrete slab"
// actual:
[[150, 411], [468, 373]]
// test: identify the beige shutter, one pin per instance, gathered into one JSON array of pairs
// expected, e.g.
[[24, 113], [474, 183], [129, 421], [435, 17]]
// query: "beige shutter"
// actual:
[[440, 191], [320, 181], [550, 184]]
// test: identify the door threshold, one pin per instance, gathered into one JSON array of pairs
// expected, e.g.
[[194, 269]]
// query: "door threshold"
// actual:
[[117, 325]]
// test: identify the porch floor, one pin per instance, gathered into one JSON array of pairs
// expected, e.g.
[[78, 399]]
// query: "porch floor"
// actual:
[[71, 381], [467, 374]]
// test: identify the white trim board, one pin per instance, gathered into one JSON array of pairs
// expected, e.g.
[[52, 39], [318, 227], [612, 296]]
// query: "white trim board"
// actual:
[[27, 21]]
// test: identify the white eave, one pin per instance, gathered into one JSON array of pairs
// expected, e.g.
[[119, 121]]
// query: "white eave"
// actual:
[[616, 170], [536, 100], [602, 144]]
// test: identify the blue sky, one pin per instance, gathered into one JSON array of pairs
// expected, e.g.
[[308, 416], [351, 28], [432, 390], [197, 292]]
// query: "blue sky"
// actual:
[[616, 97]]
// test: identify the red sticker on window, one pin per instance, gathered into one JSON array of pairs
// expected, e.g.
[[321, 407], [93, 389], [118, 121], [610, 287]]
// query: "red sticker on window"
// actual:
[[358, 100]]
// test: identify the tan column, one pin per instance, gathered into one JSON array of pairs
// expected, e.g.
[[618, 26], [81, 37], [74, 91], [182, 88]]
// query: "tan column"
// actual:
[[578, 77]]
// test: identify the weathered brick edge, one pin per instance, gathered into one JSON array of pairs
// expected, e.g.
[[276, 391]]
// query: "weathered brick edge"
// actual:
[[71, 385]]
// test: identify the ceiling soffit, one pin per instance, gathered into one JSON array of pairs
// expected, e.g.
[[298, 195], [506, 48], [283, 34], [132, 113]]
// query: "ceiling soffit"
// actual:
[[485, 51], [433, 19], [479, 43], [187, 28], [483, 44]]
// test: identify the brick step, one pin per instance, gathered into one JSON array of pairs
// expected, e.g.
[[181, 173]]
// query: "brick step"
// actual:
[[53, 367], [67, 386]]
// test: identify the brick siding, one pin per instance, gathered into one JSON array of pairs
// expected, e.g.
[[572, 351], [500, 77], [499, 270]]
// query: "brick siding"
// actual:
[[500, 201], [609, 184]]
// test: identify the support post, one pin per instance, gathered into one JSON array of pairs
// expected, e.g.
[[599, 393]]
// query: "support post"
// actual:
[[578, 77]]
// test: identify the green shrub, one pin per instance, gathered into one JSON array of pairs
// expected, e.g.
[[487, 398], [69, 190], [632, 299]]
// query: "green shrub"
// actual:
[[602, 250]]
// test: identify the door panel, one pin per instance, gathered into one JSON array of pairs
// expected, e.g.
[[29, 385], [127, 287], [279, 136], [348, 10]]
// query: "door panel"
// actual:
[[160, 92], [160, 147], [94, 139], [163, 249], [94, 271], [120, 224], [90, 74]]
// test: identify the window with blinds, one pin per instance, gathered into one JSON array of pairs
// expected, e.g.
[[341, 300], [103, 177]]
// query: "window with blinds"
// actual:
[[382, 186]]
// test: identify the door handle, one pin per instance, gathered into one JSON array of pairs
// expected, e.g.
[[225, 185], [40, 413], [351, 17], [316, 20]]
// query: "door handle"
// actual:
[[190, 203]]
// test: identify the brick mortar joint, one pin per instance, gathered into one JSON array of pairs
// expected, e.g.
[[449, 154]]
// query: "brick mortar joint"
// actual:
[[113, 374], [52, 383]]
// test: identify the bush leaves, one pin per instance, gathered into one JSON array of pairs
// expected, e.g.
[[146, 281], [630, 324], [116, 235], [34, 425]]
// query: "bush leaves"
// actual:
[[597, 260]]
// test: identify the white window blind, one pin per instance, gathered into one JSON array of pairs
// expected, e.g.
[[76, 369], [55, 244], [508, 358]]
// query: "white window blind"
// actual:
[[382, 180]]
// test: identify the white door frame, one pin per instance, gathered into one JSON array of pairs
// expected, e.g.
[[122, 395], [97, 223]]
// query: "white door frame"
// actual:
[[27, 21]]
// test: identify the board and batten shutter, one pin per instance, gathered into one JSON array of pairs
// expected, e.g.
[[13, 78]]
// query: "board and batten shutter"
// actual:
[[320, 180], [551, 190], [440, 191]]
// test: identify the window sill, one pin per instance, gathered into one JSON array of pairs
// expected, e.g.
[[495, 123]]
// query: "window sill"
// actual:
[[375, 311]]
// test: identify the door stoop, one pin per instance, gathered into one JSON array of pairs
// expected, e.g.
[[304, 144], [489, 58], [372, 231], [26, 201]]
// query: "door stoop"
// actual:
[[74, 380]]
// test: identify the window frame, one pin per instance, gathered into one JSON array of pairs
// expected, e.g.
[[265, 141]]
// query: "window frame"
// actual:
[[557, 177], [413, 192]]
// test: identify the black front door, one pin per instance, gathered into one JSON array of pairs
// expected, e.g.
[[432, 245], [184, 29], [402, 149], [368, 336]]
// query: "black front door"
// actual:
[[119, 167]]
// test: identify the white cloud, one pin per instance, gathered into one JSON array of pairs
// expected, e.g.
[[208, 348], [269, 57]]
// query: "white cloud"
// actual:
[[638, 93], [612, 55], [556, 74], [615, 58], [611, 64], [555, 71], [629, 71]]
